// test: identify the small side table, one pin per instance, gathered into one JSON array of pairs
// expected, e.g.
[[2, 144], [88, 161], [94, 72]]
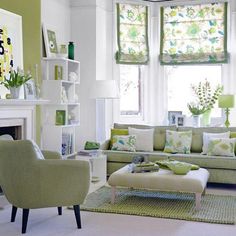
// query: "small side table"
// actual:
[[98, 164]]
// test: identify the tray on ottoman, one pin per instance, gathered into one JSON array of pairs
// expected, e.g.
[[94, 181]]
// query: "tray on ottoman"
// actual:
[[163, 180]]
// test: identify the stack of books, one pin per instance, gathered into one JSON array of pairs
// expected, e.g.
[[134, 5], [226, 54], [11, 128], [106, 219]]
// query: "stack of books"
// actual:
[[90, 153], [66, 146]]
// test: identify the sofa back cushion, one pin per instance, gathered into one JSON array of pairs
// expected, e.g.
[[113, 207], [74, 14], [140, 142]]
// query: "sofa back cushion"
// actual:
[[159, 133], [197, 135]]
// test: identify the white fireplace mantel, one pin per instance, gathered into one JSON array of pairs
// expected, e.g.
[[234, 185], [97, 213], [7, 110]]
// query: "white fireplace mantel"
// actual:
[[21, 109], [22, 102]]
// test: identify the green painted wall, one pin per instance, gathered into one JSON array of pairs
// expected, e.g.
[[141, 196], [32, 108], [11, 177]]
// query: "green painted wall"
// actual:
[[30, 10]]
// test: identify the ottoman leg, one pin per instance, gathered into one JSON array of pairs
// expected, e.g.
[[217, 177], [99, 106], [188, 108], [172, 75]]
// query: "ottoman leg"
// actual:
[[198, 200], [113, 194], [204, 192]]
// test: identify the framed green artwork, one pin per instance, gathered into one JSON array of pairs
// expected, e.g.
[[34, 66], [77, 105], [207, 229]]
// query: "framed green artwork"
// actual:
[[50, 42], [60, 117]]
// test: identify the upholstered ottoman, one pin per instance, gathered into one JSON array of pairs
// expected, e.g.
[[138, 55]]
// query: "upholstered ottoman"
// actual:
[[164, 180]]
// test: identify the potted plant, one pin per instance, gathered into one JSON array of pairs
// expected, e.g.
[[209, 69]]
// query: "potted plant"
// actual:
[[196, 110], [206, 98], [16, 80]]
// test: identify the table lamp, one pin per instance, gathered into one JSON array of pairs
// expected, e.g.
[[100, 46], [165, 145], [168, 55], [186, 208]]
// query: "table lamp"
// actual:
[[226, 102], [104, 89]]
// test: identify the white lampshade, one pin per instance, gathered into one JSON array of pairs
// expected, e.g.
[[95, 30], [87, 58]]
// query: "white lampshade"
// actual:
[[106, 89]]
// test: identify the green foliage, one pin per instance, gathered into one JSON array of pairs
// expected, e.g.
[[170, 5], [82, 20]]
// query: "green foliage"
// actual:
[[206, 97], [195, 109], [16, 79]]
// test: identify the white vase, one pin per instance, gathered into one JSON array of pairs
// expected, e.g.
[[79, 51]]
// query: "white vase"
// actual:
[[15, 92], [196, 120]]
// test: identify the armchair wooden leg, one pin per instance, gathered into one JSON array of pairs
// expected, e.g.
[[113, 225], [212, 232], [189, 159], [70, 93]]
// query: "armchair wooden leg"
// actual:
[[13, 213], [77, 216], [24, 220], [59, 211]]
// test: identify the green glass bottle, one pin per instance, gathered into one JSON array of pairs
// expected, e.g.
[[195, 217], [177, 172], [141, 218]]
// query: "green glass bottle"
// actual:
[[71, 49]]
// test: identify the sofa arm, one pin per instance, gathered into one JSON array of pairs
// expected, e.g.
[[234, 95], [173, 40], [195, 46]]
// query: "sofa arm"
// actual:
[[51, 155], [105, 145]]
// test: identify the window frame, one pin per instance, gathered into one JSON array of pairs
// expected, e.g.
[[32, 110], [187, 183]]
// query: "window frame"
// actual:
[[117, 117]]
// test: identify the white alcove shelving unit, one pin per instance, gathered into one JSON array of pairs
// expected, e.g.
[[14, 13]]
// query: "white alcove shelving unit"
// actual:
[[63, 96]]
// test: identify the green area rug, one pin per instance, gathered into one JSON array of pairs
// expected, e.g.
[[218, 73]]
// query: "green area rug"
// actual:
[[215, 208]]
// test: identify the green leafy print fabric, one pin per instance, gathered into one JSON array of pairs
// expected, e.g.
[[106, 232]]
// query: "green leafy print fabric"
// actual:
[[178, 142], [132, 34], [221, 147], [194, 34], [124, 143]]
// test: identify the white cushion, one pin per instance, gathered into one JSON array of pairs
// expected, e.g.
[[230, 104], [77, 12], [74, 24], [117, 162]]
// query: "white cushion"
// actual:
[[144, 139], [221, 147], [208, 136], [6, 137]]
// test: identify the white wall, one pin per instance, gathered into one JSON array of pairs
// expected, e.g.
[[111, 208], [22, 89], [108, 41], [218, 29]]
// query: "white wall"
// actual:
[[56, 15], [93, 35]]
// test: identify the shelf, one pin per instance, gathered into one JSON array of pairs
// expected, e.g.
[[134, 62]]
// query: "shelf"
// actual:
[[63, 126], [63, 81], [60, 59], [64, 104], [63, 96]]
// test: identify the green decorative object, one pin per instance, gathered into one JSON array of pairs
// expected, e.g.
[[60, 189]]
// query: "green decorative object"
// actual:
[[60, 117], [215, 208], [206, 118], [71, 51], [226, 102], [192, 34], [58, 72], [132, 34], [91, 145]]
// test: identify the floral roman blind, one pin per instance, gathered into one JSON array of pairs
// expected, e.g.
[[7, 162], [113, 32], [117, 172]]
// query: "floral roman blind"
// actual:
[[194, 34], [132, 34]]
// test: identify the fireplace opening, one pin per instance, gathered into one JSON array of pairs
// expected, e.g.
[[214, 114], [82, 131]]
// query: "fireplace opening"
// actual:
[[14, 131], [13, 127]]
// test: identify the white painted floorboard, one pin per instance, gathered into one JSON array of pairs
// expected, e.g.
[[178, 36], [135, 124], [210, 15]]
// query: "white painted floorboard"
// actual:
[[46, 222]]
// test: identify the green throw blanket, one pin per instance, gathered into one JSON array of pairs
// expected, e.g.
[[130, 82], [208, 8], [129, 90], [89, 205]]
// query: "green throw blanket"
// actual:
[[145, 167], [177, 167]]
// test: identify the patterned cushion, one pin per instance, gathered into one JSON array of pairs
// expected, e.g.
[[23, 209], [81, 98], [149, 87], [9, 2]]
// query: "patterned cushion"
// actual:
[[124, 143], [208, 136], [221, 147], [178, 142], [117, 132]]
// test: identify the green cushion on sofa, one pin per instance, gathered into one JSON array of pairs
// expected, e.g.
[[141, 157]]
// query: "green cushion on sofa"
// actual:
[[117, 132]]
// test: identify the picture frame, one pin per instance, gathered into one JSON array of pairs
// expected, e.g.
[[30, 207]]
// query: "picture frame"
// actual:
[[60, 117], [180, 119], [172, 117], [11, 46], [30, 90], [50, 42]]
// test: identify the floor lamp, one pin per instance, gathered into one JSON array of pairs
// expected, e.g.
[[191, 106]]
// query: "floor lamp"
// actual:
[[102, 90], [226, 102]]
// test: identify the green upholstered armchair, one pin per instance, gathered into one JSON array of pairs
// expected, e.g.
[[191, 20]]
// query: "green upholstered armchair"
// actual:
[[33, 179]]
